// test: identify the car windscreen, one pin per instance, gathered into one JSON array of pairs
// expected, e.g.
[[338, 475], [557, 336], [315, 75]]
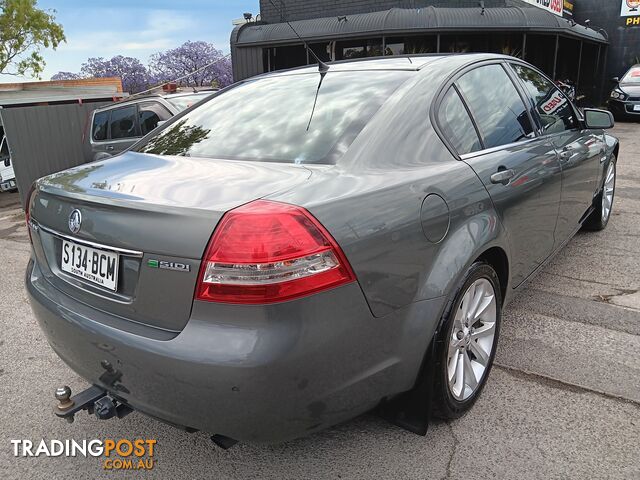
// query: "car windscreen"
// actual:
[[632, 76], [182, 102], [298, 118]]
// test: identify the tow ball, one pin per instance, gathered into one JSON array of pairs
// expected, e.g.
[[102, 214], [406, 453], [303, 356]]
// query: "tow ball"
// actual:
[[94, 400]]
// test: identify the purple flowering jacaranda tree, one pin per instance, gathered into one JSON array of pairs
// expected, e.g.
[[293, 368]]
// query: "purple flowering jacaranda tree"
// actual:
[[193, 57]]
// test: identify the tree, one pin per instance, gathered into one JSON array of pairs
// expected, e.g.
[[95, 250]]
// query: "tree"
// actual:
[[135, 76], [24, 30], [191, 57], [66, 76]]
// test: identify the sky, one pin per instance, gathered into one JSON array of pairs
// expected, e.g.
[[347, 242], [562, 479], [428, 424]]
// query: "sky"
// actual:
[[135, 28]]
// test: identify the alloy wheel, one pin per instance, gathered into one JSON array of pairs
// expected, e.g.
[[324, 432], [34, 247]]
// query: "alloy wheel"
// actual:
[[608, 191], [472, 338]]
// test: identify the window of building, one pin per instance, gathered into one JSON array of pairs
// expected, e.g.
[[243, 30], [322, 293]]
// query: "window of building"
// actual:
[[291, 56], [371, 47], [394, 46], [457, 125], [553, 108], [322, 51], [123, 122], [420, 44], [498, 109], [100, 125]]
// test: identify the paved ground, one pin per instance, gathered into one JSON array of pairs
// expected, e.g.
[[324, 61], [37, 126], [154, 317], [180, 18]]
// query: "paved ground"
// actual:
[[563, 402]]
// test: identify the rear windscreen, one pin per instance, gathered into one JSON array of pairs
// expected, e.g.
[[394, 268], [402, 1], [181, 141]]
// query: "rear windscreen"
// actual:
[[300, 118]]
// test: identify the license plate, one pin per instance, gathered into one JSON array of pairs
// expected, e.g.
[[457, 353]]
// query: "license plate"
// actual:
[[636, 108], [96, 266]]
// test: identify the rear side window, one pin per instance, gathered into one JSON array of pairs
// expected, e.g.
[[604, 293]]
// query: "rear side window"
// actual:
[[149, 114], [100, 125], [498, 109], [457, 125], [554, 109], [123, 122]]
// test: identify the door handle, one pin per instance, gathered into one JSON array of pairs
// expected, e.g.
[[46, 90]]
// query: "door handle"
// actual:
[[503, 176], [110, 147], [566, 153]]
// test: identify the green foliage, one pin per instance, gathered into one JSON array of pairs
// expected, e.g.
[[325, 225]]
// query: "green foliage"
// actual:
[[176, 140], [24, 30]]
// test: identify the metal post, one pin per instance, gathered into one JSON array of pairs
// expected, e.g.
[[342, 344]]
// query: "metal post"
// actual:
[[438, 44], [555, 58], [603, 79], [524, 46], [579, 65]]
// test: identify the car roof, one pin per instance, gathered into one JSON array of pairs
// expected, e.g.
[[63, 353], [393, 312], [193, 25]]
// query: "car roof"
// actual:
[[393, 62], [147, 96]]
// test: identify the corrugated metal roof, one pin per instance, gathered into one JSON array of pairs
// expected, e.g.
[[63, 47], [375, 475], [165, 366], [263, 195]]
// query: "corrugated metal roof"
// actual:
[[430, 19]]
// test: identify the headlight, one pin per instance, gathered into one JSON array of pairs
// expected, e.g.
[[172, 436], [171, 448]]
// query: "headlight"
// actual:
[[618, 94]]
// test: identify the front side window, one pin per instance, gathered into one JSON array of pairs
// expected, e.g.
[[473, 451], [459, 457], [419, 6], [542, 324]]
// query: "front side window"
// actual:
[[300, 118], [149, 114], [554, 109], [123, 122], [498, 109], [100, 125], [457, 125]]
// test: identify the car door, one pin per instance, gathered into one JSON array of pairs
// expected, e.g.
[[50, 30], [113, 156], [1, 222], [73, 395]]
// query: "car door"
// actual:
[[124, 130], [150, 114], [519, 169], [579, 150]]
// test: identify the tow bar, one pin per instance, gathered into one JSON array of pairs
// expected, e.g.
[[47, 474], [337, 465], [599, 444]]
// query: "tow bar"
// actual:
[[97, 401], [94, 400]]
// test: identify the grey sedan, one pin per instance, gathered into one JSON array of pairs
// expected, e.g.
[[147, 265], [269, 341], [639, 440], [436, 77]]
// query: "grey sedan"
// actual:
[[311, 244]]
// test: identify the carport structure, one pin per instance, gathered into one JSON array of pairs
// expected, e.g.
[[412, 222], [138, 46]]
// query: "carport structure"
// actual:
[[558, 46], [46, 122]]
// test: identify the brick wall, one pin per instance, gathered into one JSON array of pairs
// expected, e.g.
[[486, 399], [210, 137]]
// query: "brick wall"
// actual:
[[83, 82], [305, 9]]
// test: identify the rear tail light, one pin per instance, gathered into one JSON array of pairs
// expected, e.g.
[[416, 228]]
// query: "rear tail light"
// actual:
[[27, 210], [267, 252]]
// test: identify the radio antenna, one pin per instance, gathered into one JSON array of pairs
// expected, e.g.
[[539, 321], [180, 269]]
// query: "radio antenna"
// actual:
[[322, 67]]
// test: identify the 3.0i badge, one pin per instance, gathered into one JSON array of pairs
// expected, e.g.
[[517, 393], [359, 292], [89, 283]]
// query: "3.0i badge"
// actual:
[[177, 266]]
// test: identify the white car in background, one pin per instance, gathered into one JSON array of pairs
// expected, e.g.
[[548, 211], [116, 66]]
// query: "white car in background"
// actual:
[[7, 176]]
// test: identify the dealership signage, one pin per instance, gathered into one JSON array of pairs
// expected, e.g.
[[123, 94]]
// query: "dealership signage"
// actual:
[[567, 7], [553, 6], [630, 11]]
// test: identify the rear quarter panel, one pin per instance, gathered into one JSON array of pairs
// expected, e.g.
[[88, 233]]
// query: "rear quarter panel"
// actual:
[[371, 203]]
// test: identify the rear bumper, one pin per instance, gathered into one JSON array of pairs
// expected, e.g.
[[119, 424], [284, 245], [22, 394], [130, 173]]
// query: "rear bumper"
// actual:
[[252, 373]]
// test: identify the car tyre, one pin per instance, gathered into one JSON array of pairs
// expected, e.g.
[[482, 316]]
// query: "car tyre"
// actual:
[[470, 331], [603, 204]]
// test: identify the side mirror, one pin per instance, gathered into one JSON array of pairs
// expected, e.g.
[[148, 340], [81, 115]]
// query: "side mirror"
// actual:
[[615, 79], [598, 119]]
